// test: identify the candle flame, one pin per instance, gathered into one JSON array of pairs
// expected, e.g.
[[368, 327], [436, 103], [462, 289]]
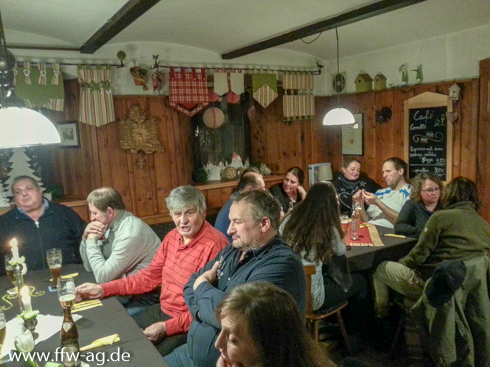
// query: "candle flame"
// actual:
[[13, 242], [24, 291]]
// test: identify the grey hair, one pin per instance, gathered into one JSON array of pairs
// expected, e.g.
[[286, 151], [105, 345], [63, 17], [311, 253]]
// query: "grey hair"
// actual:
[[262, 204], [22, 178], [185, 196]]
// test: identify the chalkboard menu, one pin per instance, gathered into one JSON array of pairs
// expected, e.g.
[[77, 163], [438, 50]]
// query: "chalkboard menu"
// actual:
[[427, 141]]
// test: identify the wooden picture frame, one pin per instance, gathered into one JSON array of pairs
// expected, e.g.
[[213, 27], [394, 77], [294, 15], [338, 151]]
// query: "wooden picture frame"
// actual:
[[69, 134], [429, 135], [352, 139]]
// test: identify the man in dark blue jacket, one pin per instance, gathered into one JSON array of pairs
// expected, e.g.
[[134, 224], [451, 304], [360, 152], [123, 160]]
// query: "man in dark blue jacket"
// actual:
[[39, 225], [257, 253]]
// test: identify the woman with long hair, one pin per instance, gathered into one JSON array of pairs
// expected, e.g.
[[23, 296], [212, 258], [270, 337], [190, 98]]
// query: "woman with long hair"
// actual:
[[261, 326], [425, 199], [313, 230]]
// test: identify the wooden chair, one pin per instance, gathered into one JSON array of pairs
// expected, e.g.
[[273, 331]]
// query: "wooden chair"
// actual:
[[313, 318]]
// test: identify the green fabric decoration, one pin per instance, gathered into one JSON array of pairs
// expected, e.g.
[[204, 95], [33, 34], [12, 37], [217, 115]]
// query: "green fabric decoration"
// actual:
[[37, 94], [258, 80]]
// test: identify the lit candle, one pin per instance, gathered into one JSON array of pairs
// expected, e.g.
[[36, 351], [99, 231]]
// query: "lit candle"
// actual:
[[15, 250], [26, 299]]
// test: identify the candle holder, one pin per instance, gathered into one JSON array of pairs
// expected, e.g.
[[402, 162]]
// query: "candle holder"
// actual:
[[19, 280], [31, 323]]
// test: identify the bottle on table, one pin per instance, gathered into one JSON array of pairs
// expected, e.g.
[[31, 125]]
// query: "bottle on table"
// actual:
[[355, 225], [69, 340]]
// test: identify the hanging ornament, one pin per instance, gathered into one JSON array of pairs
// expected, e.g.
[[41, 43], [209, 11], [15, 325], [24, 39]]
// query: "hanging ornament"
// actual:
[[213, 117]]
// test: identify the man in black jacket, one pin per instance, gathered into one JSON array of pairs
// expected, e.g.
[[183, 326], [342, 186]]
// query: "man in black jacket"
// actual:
[[39, 225]]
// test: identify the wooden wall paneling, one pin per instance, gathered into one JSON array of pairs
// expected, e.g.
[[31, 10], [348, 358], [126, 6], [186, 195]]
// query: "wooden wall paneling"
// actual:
[[274, 129], [326, 140], [257, 133], [226, 193], [366, 106], [214, 199], [386, 135], [483, 173], [164, 171]]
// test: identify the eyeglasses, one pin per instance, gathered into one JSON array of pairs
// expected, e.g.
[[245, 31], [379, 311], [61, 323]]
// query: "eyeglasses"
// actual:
[[431, 191]]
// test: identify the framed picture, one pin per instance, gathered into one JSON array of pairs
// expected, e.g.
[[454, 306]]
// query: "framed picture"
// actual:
[[352, 143], [69, 134]]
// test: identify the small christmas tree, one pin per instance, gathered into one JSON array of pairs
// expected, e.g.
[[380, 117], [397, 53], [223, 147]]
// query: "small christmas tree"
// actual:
[[20, 166]]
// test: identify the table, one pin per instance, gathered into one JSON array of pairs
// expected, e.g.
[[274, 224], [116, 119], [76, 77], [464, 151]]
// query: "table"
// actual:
[[96, 323], [364, 258]]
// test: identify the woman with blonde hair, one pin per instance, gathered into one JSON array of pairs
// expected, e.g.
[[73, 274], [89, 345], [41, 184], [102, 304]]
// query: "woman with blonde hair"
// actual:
[[424, 200]]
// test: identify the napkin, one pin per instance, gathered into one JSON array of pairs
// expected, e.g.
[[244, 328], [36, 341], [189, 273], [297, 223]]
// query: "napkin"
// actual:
[[108, 340], [73, 275], [82, 306]]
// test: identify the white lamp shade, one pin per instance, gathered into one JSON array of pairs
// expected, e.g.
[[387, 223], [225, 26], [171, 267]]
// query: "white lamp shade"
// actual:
[[325, 172], [24, 127], [338, 116]]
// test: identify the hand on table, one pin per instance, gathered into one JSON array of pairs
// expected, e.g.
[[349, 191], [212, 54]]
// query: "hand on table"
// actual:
[[208, 276], [89, 290], [94, 230], [156, 332]]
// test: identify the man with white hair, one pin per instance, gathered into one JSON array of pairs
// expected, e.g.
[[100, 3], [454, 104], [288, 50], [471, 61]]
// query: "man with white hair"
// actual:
[[184, 250]]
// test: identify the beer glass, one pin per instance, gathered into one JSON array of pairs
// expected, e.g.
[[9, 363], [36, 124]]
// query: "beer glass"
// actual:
[[66, 292], [11, 274], [3, 332], [54, 258]]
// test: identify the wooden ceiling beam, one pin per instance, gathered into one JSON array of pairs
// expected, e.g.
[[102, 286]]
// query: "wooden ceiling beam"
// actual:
[[350, 17], [131, 11]]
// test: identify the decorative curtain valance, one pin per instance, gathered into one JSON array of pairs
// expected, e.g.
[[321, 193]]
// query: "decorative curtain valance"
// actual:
[[188, 91], [298, 99], [39, 86], [264, 87], [96, 102]]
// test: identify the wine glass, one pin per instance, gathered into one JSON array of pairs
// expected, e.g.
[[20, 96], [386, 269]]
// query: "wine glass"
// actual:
[[54, 259], [66, 292]]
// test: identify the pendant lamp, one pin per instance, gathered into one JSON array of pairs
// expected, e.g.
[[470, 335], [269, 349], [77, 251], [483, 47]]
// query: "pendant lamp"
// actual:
[[339, 115], [19, 126]]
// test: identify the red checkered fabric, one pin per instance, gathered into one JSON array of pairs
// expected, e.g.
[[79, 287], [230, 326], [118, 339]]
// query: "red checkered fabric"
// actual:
[[188, 92]]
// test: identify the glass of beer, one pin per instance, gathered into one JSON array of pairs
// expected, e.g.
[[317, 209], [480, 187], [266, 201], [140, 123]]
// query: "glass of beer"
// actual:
[[66, 292], [54, 258], [3, 332], [11, 274]]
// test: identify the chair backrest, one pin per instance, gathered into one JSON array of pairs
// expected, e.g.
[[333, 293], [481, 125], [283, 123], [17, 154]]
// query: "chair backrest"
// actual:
[[309, 271]]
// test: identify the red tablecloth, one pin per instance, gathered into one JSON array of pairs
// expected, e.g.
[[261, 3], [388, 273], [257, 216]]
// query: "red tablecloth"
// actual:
[[368, 236]]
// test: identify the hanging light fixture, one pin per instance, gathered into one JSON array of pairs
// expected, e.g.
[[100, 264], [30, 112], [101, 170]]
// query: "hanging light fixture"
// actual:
[[339, 115], [19, 126]]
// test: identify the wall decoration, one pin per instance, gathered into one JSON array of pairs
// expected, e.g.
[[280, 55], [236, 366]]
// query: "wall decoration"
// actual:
[[379, 82], [188, 92], [298, 100], [364, 83], [352, 142], [403, 70], [70, 137], [139, 133], [418, 74]]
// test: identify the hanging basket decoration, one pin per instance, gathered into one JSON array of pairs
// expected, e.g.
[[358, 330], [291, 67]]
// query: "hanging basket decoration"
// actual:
[[139, 133], [213, 117]]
